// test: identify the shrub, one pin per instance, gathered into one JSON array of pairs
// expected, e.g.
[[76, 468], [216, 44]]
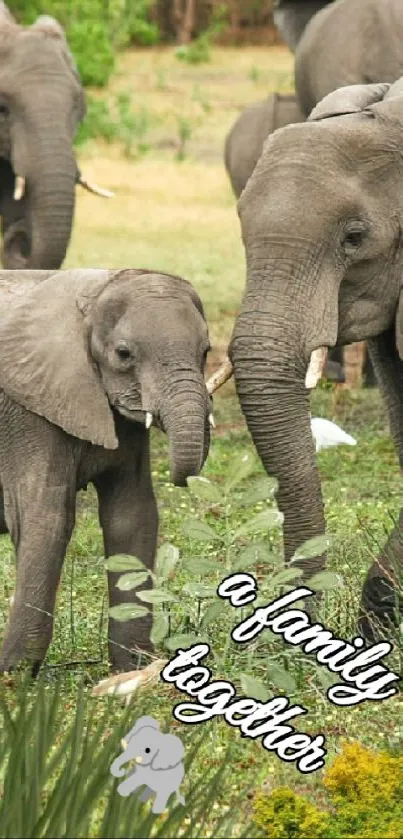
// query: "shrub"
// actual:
[[91, 46], [365, 791], [285, 815]]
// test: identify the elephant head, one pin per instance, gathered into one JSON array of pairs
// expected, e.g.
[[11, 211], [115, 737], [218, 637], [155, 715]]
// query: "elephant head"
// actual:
[[87, 345], [322, 220], [41, 105], [147, 747]]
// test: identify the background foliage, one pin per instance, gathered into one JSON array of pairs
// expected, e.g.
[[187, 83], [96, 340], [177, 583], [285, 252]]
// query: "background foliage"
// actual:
[[98, 29]]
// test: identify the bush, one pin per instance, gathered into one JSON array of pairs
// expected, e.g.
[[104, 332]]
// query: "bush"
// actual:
[[365, 791], [285, 815], [90, 44], [117, 121]]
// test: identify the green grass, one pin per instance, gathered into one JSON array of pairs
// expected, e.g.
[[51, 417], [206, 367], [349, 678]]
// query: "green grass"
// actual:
[[180, 216]]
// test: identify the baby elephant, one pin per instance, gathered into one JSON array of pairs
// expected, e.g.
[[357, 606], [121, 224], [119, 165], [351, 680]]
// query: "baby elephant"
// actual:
[[89, 359], [244, 143], [158, 759]]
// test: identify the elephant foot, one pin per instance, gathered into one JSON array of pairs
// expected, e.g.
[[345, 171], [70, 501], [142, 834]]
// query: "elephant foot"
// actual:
[[124, 660], [160, 803], [22, 653]]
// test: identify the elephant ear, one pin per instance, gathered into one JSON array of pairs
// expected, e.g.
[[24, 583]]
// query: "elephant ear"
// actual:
[[169, 754], [45, 363], [351, 99]]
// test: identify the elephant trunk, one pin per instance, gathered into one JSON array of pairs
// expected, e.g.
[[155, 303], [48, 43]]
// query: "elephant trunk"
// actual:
[[270, 350], [117, 766], [185, 420], [46, 173]]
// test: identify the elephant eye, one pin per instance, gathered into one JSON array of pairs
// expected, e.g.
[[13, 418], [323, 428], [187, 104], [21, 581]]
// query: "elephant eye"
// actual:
[[354, 237], [147, 751], [4, 111], [123, 352]]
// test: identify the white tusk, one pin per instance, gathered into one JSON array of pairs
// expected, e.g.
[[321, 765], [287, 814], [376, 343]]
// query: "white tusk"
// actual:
[[315, 367], [97, 190], [149, 419], [19, 188], [220, 376], [123, 743], [211, 420], [138, 760], [11, 601]]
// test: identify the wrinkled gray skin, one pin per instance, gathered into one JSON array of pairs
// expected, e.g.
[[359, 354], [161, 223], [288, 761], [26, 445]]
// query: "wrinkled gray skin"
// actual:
[[346, 42], [41, 104], [322, 219], [83, 354], [158, 766], [244, 143]]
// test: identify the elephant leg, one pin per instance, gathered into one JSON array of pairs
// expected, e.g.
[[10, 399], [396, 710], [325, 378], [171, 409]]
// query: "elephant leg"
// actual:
[[129, 785], [41, 520], [381, 598], [160, 802], [146, 794], [129, 520]]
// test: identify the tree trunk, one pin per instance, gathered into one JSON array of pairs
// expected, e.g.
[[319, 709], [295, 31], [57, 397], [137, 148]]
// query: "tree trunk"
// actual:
[[184, 19], [234, 18]]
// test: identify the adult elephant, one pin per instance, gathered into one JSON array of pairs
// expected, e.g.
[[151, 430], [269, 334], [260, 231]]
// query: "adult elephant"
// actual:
[[322, 219], [89, 360], [341, 43], [41, 105]]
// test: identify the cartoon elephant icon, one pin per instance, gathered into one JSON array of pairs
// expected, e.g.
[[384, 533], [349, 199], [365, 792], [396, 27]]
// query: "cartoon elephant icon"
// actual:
[[158, 759]]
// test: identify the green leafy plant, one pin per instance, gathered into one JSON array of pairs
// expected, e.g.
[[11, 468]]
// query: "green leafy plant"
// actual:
[[229, 534]]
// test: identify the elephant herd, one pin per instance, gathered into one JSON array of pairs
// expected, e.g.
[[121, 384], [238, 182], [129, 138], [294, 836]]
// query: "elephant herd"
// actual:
[[90, 359]]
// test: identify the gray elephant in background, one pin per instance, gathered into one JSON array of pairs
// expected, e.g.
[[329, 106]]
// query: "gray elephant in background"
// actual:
[[158, 763], [89, 359], [244, 142], [324, 254], [341, 43], [41, 104], [292, 16]]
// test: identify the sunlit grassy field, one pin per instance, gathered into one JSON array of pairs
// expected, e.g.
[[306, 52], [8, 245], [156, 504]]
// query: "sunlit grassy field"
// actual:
[[180, 216]]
